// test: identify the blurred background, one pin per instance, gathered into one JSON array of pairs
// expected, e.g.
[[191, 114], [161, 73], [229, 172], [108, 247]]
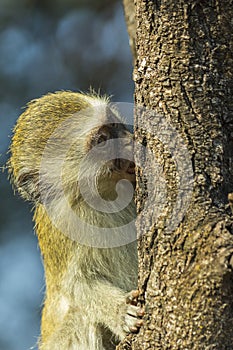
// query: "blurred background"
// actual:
[[47, 45]]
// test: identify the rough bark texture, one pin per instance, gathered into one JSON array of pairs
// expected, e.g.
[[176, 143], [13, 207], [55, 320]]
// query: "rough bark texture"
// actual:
[[184, 71], [129, 9]]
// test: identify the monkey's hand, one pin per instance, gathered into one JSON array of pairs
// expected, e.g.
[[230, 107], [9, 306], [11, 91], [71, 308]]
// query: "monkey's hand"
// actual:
[[128, 317], [134, 313]]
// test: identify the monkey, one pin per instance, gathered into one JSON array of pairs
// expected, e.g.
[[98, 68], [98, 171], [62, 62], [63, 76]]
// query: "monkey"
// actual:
[[60, 162]]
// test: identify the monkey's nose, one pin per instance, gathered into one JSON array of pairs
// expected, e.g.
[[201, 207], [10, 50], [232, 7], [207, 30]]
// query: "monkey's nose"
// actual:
[[131, 168]]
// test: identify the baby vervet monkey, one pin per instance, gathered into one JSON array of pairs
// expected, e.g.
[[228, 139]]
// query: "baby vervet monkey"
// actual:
[[71, 156]]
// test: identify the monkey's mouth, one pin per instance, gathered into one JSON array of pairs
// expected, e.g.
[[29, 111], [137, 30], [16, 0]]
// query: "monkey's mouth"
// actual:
[[125, 168], [131, 168]]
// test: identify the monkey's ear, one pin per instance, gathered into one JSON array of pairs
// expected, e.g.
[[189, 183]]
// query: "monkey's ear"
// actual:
[[27, 184]]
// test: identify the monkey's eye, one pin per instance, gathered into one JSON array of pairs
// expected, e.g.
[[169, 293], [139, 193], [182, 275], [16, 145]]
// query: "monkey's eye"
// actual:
[[101, 140]]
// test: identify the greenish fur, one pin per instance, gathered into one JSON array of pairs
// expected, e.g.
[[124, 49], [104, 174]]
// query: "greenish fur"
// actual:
[[86, 287]]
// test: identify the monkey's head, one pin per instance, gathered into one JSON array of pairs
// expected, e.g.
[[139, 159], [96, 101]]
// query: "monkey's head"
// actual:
[[72, 145]]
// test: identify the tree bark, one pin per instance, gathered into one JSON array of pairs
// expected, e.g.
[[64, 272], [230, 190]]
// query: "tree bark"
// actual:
[[129, 9], [183, 73]]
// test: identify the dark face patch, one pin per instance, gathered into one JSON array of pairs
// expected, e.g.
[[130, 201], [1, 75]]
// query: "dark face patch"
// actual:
[[117, 168]]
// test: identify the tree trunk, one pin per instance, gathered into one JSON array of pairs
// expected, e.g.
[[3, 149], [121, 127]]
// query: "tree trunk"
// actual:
[[183, 75], [129, 8]]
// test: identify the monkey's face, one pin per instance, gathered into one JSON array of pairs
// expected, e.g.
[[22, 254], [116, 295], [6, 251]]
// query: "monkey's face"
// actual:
[[113, 144], [105, 171]]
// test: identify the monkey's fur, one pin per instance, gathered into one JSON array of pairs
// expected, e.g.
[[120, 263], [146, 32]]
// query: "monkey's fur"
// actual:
[[86, 287]]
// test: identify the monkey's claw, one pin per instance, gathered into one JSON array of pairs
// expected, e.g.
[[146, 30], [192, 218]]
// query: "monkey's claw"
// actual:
[[132, 297], [134, 313]]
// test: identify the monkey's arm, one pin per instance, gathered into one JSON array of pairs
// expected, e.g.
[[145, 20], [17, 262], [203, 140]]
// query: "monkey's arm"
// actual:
[[112, 307], [92, 308]]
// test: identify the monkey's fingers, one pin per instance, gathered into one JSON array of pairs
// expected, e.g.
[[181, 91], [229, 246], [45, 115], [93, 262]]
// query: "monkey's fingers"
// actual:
[[132, 297], [132, 320]]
